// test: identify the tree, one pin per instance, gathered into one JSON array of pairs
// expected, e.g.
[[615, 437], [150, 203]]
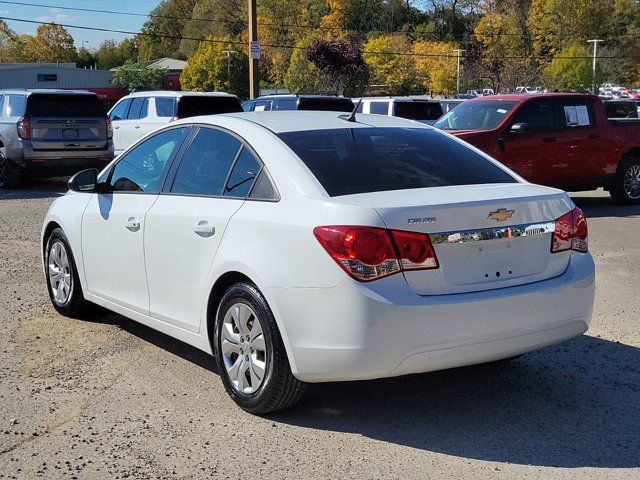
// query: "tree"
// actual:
[[219, 18], [209, 69], [52, 43], [571, 69], [112, 54], [132, 77], [7, 41], [86, 59], [161, 34], [341, 62], [302, 75], [396, 74], [437, 67]]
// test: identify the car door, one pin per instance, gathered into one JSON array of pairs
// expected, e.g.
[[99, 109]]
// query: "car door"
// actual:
[[131, 129], [187, 223], [113, 224], [533, 151], [160, 111], [118, 116]]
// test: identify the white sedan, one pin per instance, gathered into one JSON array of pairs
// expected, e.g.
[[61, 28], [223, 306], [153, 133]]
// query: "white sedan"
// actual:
[[307, 247]]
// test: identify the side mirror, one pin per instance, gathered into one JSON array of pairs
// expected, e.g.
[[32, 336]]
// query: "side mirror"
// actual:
[[520, 128], [85, 181]]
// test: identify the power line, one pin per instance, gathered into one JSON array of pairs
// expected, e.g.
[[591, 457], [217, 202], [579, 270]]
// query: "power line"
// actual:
[[296, 47]]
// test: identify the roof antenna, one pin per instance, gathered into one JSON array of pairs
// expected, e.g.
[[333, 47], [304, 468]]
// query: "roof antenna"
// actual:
[[352, 115]]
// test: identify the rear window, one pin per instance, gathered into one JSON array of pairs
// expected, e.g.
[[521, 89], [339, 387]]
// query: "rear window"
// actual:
[[621, 110], [359, 160], [201, 105], [70, 106], [326, 104], [419, 111]]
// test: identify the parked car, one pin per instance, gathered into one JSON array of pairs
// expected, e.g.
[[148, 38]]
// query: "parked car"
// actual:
[[304, 247], [138, 114], [562, 140], [422, 110], [330, 103], [635, 94], [621, 109], [450, 104], [46, 133]]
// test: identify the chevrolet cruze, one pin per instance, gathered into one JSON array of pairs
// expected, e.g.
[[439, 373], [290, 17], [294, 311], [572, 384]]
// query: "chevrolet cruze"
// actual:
[[304, 247]]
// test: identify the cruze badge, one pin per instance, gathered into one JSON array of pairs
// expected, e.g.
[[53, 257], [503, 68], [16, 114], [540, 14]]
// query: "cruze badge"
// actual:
[[501, 215], [413, 221]]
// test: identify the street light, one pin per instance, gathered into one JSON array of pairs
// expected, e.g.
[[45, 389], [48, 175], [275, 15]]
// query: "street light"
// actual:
[[458, 51], [228, 53], [593, 75]]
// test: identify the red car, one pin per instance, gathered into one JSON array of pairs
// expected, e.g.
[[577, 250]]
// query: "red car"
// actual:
[[559, 140]]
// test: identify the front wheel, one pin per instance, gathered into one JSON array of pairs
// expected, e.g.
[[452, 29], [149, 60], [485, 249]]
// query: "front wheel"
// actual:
[[62, 278], [626, 184], [10, 175], [250, 354]]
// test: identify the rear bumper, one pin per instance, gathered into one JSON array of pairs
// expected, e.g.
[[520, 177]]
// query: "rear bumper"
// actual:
[[58, 162], [362, 331]]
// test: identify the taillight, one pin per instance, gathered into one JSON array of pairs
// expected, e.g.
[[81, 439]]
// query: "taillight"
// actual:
[[24, 129], [109, 128], [369, 253], [571, 233]]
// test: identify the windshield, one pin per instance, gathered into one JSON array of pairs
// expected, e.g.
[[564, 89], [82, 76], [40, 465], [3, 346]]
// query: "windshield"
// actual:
[[484, 115], [61, 105], [359, 160]]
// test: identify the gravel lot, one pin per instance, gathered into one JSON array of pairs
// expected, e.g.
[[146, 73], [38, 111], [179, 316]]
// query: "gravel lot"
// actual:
[[107, 398]]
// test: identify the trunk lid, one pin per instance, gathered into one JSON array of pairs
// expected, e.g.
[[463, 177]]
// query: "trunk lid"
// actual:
[[485, 236]]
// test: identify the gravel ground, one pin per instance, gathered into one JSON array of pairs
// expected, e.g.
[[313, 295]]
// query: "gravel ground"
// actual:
[[107, 398]]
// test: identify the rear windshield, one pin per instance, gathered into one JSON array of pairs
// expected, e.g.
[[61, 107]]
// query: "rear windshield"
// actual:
[[621, 110], [483, 115], [326, 104], [60, 105], [419, 111], [359, 160], [195, 106]]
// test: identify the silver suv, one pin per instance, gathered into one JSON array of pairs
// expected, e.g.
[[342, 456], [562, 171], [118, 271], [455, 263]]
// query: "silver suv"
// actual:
[[47, 133]]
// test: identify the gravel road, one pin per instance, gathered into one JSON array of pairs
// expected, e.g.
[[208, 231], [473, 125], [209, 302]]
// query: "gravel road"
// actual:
[[107, 398]]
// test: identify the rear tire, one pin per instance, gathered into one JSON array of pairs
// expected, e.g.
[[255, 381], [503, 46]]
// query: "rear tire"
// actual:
[[63, 282], [626, 184], [250, 354], [10, 175]]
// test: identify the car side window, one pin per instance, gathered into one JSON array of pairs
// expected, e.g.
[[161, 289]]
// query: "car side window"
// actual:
[[263, 188], [262, 106], [165, 107], [143, 168], [16, 105], [539, 115], [138, 108], [576, 114], [379, 108], [205, 165], [243, 174], [119, 112], [285, 104]]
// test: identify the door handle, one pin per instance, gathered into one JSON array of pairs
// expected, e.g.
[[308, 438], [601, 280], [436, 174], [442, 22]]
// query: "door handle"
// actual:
[[116, 127], [549, 140], [137, 126], [203, 229], [132, 224]]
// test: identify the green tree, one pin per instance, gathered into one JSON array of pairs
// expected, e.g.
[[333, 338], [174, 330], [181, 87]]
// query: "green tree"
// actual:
[[396, 74], [571, 69], [302, 75], [52, 43], [112, 54], [437, 67], [209, 68], [7, 43], [134, 77], [86, 59]]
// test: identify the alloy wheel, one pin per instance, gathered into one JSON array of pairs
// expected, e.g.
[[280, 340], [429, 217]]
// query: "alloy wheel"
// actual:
[[631, 182], [59, 271], [243, 348]]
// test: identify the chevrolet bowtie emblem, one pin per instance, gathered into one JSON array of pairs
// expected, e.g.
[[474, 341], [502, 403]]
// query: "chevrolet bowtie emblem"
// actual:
[[501, 215]]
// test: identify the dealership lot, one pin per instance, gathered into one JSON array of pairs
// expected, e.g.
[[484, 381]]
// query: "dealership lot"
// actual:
[[107, 397]]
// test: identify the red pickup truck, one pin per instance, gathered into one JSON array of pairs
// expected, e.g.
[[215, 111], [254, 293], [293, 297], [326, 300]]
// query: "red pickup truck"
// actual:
[[559, 140]]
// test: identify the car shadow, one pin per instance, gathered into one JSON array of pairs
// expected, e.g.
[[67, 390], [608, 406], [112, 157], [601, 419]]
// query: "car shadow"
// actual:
[[576, 404], [573, 405], [600, 206], [37, 188]]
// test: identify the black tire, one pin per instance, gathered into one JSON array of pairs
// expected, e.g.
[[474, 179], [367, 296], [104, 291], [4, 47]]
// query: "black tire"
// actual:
[[75, 305], [10, 175], [617, 192], [279, 388]]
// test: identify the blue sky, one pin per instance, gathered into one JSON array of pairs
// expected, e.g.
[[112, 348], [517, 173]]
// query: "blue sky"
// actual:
[[91, 39]]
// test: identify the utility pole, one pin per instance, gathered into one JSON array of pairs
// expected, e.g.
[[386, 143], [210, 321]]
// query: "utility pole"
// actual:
[[593, 75], [228, 53], [254, 86], [458, 51]]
